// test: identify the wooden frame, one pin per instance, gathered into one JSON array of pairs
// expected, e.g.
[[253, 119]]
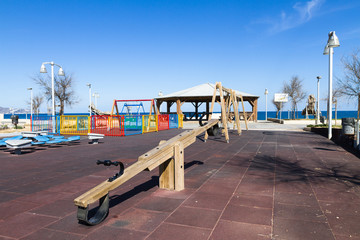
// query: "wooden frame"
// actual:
[[226, 102]]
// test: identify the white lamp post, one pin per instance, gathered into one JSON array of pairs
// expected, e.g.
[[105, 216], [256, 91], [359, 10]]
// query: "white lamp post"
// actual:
[[31, 102], [333, 41], [317, 101], [60, 73], [89, 85], [96, 96], [266, 93]]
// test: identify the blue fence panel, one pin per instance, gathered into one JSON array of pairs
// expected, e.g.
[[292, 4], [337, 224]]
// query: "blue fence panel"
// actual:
[[173, 121], [133, 125]]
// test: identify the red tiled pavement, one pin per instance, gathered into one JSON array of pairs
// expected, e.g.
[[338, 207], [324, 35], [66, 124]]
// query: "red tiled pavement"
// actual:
[[262, 185]]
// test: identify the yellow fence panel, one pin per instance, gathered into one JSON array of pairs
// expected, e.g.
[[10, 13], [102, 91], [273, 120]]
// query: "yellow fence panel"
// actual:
[[181, 120], [149, 123], [74, 125]]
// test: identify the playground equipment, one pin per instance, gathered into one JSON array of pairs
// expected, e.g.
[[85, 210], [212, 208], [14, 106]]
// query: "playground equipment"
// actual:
[[168, 156], [132, 107]]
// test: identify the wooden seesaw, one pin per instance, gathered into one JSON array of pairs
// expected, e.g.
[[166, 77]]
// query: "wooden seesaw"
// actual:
[[168, 156]]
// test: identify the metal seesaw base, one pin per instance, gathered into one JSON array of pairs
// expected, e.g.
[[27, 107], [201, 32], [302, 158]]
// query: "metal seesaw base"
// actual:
[[100, 215], [103, 210]]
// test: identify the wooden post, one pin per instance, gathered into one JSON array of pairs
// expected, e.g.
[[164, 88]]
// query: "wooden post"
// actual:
[[166, 175], [171, 172], [211, 109], [178, 106], [207, 110], [223, 113], [168, 107], [236, 112], [245, 117], [158, 104], [179, 166]]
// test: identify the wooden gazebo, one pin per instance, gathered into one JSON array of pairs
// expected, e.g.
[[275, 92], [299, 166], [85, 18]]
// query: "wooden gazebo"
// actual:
[[202, 94]]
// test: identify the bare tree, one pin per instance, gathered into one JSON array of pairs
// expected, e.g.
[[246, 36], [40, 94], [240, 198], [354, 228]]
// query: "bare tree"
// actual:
[[63, 86], [337, 93], [349, 85], [277, 106], [295, 90], [36, 103]]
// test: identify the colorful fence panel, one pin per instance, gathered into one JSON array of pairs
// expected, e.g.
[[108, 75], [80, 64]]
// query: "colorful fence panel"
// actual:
[[133, 125], [173, 121], [108, 125], [149, 123], [180, 120], [163, 122], [76, 125], [45, 123]]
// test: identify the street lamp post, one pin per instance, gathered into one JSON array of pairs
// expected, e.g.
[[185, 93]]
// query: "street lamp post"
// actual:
[[266, 93], [318, 101], [96, 96], [333, 41], [31, 102], [89, 85], [60, 73]]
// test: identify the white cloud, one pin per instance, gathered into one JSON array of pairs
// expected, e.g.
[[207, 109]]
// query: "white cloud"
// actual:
[[301, 13]]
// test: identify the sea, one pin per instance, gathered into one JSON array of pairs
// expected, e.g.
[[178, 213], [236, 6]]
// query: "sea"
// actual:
[[261, 115]]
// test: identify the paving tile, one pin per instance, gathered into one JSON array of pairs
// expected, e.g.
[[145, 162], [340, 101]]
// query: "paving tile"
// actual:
[[256, 189], [111, 233], [207, 200], [346, 237], [262, 216], [338, 197], [252, 200], [24, 224], [138, 219], [338, 209], [160, 204], [236, 230], [70, 224], [59, 208], [168, 231], [43, 197], [218, 187], [196, 217], [173, 194], [299, 212], [12, 208], [44, 234], [8, 196], [306, 199], [300, 230], [344, 225], [293, 186]]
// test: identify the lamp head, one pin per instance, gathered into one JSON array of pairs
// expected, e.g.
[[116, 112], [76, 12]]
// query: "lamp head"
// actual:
[[333, 40], [43, 69], [29, 88], [266, 91], [89, 85], [326, 50], [318, 77], [61, 72]]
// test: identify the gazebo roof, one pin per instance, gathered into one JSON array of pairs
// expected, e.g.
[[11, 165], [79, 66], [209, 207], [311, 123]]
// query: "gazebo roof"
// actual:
[[203, 91]]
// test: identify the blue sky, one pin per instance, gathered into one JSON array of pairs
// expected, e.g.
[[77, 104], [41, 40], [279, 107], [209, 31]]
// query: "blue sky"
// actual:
[[130, 49]]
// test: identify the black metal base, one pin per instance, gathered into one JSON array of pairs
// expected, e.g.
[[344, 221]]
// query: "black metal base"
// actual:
[[99, 216]]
